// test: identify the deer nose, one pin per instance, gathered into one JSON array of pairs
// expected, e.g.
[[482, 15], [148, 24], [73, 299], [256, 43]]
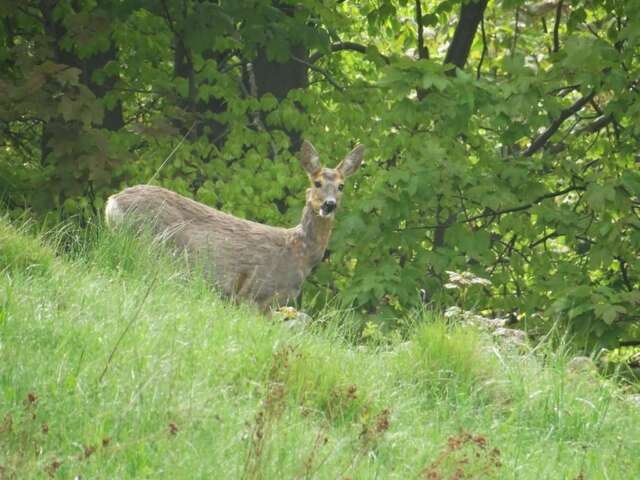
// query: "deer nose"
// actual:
[[329, 205]]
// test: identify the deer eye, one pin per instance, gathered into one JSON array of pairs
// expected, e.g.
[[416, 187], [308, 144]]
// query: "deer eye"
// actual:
[[341, 186], [317, 184]]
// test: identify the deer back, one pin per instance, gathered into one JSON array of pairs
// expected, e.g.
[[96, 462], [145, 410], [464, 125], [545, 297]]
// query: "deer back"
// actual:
[[243, 258]]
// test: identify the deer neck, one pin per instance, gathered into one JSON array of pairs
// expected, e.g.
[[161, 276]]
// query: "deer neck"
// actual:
[[315, 233]]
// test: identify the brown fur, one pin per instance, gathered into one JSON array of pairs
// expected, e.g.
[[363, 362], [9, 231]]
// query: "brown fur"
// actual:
[[245, 259]]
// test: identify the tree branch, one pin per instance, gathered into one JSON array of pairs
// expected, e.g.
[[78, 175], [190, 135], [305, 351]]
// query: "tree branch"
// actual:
[[542, 140], [515, 32], [506, 251], [495, 213], [564, 91], [485, 49], [593, 127], [470, 15], [28, 13], [321, 71], [423, 53], [543, 239], [340, 46], [169, 20], [526, 206], [556, 27], [422, 50], [624, 271], [596, 125]]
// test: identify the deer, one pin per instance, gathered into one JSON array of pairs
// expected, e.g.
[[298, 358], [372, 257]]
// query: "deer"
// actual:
[[244, 260]]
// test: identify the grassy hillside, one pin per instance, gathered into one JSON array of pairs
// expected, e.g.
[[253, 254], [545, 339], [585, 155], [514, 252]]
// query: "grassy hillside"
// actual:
[[116, 364]]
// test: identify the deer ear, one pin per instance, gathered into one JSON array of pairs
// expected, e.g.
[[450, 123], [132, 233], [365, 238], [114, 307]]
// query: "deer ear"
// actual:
[[309, 158], [351, 162]]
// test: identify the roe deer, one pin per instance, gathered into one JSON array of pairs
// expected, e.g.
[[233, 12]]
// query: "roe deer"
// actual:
[[245, 259]]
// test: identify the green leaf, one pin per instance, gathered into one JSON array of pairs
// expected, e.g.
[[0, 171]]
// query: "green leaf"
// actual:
[[609, 313], [631, 181], [596, 195], [440, 82]]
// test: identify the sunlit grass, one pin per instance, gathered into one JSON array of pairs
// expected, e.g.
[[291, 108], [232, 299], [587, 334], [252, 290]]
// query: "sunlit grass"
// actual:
[[115, 362]]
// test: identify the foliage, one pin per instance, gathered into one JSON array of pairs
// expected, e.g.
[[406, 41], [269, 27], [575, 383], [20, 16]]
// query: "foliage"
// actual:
[[502, 136], [116, 366]]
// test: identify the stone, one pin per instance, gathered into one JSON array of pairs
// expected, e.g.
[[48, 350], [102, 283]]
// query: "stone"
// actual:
[[511, 336], [582, 365]]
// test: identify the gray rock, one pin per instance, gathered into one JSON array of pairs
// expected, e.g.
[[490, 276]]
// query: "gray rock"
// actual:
[[511, 336], [292, 318], [582, 365], [634, 399]]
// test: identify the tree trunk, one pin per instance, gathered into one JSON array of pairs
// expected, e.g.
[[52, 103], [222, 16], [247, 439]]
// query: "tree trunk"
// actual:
[[279, 79], [471, 14]]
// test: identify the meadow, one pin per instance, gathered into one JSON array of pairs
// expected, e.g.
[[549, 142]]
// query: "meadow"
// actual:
[[115, 362]]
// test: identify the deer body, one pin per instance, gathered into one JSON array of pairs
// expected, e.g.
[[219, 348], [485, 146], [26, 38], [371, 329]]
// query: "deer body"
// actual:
[[244, 259]]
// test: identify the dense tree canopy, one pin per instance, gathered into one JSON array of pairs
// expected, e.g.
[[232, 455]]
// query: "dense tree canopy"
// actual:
[[502, 135]]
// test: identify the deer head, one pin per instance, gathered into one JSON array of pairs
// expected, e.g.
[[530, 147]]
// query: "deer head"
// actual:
[[325, 192]]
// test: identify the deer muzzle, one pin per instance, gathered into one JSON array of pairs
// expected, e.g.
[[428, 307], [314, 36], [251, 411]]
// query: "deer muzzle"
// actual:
[[328, 207]]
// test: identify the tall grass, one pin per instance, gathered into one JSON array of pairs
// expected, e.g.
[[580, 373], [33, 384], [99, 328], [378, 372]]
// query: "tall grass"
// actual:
[[115, 362]]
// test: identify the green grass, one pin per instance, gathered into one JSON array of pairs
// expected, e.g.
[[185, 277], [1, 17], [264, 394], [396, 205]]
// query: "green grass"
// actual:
[[115, 363]]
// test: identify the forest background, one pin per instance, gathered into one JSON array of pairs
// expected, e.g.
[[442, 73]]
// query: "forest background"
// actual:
[[502, 138]]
